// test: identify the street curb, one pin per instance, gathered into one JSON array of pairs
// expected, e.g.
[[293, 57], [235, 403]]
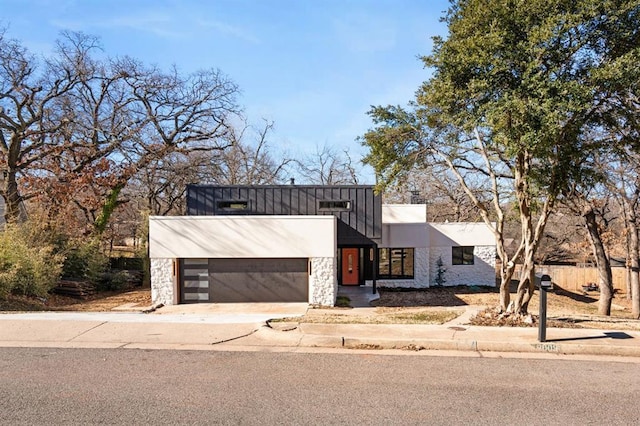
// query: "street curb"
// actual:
[[486, 346], [294, 336]]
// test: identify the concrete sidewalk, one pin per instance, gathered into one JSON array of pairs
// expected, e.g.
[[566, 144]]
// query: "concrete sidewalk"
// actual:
[[202, 331], [179, 327]]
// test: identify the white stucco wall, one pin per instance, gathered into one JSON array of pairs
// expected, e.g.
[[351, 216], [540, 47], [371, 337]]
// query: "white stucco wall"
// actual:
[[460, 234], [402, 235], [404, 213], [242, 236]]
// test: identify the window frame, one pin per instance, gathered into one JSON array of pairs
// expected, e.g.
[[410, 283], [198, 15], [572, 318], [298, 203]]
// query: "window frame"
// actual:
[[333, 205], [393, 252], [229, 205], [462, 255]]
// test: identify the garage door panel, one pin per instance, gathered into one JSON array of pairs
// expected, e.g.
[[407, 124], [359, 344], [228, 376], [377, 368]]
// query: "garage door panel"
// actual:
[[246, 280], [259, 280], [257, 265], [258, 287]]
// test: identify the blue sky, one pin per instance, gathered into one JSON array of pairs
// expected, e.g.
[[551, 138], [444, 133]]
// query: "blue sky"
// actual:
[[313, 67]]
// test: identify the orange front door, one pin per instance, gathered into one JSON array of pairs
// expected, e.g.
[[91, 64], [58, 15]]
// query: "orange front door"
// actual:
[[350, 266]]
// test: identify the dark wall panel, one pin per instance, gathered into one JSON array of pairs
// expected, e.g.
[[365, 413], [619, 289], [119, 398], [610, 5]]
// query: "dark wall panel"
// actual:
[[364, 217]]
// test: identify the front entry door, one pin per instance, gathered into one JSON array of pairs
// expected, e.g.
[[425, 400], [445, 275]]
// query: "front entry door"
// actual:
[[350, 266]]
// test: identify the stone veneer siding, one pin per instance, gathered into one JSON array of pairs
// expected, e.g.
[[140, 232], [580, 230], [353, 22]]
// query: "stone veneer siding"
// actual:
[[162, 281], [482, 272], [420, 273], [323, 282]]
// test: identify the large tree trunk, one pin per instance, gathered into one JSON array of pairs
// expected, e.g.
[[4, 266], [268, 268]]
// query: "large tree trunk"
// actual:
[[633, 255], [505, 287], [506, 273], [507, 267], [14, 211], [602, 261], [12, 201], [634, 261], [526, 287], [628, 281]]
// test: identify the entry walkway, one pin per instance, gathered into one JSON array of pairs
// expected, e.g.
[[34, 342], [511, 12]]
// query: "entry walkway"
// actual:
[[359, 296]]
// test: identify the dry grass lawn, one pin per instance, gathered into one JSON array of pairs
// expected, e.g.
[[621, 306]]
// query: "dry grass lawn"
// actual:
[[564, 308], [428, 306]]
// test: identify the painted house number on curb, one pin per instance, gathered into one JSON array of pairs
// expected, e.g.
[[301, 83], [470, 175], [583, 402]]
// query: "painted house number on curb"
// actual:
[[547, 347]]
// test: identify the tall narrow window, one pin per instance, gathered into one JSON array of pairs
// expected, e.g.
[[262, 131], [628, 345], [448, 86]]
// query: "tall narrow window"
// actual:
[[395, 263], [462, 255]]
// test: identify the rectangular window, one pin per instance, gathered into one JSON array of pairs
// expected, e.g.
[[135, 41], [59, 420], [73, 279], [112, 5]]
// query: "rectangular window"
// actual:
[[462, 255], [232, 205], [395, 263], [334, 205]]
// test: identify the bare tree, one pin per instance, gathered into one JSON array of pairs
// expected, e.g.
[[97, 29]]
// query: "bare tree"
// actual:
[[328, 167], [101, 122], [436, 186], [247, 159], [32, 109]]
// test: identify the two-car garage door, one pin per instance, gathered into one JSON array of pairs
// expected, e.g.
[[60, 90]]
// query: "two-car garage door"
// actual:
[[244, 280]]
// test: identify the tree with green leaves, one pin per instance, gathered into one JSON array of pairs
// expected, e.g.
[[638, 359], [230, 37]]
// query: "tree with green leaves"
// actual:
[[514, 86]]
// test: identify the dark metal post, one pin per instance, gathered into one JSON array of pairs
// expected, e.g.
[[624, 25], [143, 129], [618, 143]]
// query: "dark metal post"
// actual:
[[545, 284], [375, 268]]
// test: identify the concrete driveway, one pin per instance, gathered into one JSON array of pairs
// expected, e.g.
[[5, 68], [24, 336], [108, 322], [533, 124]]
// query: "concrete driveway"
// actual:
[[264, 311], [201, 313]]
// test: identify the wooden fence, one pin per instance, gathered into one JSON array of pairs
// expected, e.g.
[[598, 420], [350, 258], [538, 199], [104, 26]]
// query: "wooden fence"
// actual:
[[572, 278]]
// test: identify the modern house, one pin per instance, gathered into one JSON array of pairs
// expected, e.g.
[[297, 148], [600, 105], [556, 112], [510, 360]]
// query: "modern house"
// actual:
[[298, 243]]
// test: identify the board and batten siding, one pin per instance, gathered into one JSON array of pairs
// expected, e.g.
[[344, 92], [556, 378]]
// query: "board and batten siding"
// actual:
[[364, 216]]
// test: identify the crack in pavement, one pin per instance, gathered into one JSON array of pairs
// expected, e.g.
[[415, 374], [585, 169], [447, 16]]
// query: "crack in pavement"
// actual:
[[86, 331], [235, 338]]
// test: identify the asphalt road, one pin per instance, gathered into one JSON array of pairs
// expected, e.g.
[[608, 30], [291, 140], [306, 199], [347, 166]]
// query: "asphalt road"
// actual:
[[93, 386]]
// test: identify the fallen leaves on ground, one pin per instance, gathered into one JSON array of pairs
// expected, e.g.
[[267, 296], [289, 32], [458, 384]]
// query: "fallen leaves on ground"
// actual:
[[99, 302]]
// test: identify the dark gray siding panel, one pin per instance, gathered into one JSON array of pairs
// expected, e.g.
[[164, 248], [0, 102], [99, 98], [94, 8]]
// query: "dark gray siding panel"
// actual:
[[277, 201], [364, 217]]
